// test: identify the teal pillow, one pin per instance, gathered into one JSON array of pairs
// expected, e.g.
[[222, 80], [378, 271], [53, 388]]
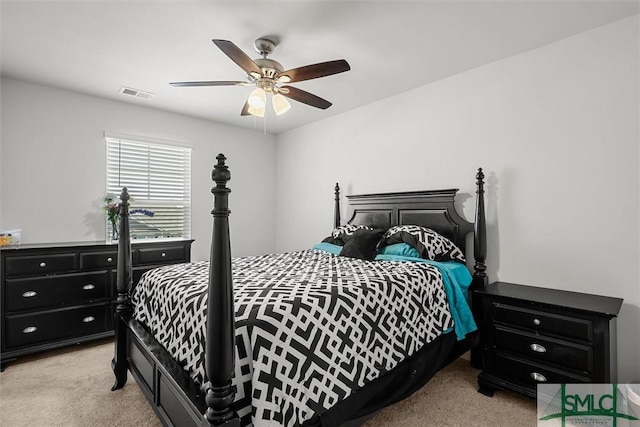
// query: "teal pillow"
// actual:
[[328, 247], [400, 249]]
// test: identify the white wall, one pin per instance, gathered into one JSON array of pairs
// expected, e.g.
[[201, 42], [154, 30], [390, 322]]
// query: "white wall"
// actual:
[[556, 130], [54, 167]]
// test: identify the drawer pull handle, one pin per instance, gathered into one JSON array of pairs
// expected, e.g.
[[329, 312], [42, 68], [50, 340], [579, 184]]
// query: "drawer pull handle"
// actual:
[[43, 264], [88, 287], [109, 259], [29, 330], [538, 377], [163, 254], [536, 322], [88, 319], [29, 294], [538, 348]]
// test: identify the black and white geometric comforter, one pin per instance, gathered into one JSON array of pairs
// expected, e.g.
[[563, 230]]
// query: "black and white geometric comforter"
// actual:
[[311, 327]]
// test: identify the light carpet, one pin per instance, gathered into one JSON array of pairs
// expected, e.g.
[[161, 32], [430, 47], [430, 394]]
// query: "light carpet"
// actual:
[[72, 387]]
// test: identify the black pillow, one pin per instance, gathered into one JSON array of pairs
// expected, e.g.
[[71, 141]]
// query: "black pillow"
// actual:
[[362, 244], [333, 241]]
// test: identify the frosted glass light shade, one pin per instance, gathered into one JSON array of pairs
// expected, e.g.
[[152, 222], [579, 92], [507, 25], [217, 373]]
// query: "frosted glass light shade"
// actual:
[[257, 98], [280, 104], [259, 112]]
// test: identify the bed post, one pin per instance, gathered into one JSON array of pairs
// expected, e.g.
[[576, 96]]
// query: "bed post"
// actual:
[[221, 331], [479, 236], [119, 363], [336, 211]]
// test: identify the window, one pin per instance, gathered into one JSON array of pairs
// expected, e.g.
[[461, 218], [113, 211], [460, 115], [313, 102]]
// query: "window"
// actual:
[[158, 178]]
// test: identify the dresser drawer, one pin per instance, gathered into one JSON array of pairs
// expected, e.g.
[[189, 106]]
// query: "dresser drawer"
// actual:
[[26, 329], [541, 349], [95, 260], [161, 255], [531, 374], [54, 291], [40, 264], [544, 322]]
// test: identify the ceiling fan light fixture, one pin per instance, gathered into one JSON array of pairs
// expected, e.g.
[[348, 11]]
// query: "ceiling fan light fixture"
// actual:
[[258, 99], [280, 104], [255, 111], [267, 75]]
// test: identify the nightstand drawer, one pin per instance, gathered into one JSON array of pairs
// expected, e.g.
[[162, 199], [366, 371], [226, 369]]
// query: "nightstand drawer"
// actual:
[[40, 264], [54, 291], [55, 324], [531, 374], [544, 322], [161, 255], [545, 350], [94, 260]]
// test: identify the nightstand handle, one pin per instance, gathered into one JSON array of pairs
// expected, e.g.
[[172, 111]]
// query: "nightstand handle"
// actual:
[[88, 287], [29, 294], [43, 264], [29, 330], [538, 348], [536, 322], [88, 319], [538, 377], [109, 259]]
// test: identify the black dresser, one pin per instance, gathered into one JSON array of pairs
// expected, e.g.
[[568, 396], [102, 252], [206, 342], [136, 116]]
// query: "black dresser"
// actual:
[[532, 335], [53, 295]]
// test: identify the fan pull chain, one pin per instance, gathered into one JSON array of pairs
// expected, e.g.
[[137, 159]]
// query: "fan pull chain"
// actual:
[[265, 123]]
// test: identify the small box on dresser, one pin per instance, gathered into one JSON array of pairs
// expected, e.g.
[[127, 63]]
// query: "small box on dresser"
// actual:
[[531, 335], [53, 295]]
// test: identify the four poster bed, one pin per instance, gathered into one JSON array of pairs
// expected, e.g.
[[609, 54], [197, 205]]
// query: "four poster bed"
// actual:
[[321, 337]]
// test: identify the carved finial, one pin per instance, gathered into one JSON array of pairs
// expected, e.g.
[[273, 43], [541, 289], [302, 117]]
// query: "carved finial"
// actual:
[[124, 196], [124, 202], [337, 190], [221, 176], [480, 180], [220, 173]]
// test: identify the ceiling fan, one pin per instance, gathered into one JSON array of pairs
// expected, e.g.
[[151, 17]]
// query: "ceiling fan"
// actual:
[[269, 77]]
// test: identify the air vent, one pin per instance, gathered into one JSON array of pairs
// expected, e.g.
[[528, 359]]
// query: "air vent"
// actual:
[[135, 92]]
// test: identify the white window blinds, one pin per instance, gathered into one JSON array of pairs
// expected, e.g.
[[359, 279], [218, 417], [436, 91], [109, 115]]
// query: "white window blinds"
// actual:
[[158, 178]]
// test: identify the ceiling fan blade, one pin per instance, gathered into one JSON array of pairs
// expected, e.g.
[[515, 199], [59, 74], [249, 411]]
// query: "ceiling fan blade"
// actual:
[[305, 97], [245, 109], [238, 56], [314, 71], [210, 83]]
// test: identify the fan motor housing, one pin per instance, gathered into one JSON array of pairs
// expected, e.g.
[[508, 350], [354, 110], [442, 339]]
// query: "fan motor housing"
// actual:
[[269, 67]]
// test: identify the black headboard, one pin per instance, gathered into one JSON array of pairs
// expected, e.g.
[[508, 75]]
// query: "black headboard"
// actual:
[[434, 209]]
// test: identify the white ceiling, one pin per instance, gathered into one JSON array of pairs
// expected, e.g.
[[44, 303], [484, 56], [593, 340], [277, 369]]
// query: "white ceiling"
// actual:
[[96, 47]]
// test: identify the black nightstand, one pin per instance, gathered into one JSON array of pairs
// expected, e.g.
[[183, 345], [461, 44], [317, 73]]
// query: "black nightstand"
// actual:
[[531, 335]]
